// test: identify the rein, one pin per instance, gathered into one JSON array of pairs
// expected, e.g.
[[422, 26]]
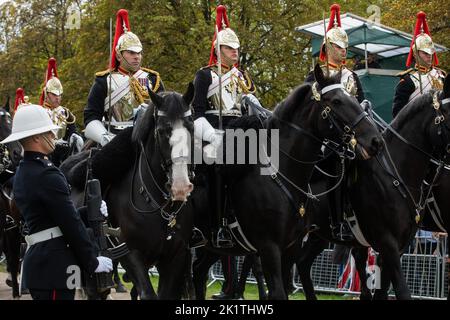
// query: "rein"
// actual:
[[439, 119], [167, 209]]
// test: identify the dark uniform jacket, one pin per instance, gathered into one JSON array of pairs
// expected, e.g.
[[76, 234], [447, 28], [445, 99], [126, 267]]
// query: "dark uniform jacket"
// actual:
[[95, 109], [403, 91], [201, 103], [42, 195], [359, 91], [406, 86]]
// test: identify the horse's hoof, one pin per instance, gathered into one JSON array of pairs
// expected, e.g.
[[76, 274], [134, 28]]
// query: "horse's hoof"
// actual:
[[125, 278], [121, 289]]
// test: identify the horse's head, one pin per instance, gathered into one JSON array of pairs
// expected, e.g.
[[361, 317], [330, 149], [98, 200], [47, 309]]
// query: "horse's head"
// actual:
[[341, 115], [425, 122], [11, 153], [174, 132]]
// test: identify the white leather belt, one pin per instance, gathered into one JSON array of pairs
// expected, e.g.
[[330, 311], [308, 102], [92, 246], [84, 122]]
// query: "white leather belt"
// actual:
[[43, 235], [225, 113]]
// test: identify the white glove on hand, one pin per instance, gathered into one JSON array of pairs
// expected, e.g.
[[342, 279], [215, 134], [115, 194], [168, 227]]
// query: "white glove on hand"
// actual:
[[213, 147], [106, 138], [104, 209], [104, 265], [76, 140]]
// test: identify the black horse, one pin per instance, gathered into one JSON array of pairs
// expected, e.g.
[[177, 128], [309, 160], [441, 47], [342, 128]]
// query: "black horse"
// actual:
[[387, 195], [269, 214], [10, 155], [146, 192]]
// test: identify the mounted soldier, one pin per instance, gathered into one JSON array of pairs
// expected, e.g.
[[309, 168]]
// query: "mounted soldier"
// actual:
[[333, 54], [21, 99], [119, 92], [220, 89], [424, 76], [67, 136]]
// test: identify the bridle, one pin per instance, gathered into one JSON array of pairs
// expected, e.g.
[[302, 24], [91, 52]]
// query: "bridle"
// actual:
[[168, 209], [439, 120], [5, 157], [347, 131]]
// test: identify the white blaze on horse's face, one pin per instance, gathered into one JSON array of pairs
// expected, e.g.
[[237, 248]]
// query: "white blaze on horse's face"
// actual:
[[180, 141]]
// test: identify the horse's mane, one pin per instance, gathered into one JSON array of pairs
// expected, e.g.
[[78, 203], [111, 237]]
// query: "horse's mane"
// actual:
[[144, 124], [105, 166], [286, 108], [297, 98], [411, 109], [173, 107]]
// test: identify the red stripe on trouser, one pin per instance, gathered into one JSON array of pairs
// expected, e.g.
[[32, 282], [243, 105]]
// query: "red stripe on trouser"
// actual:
[[54, 295], [228, 288]]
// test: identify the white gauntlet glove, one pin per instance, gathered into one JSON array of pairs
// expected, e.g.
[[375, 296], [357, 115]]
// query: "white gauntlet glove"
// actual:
[[104, 209], [204, 130], [77, 141], [96, 131], [104, 265]]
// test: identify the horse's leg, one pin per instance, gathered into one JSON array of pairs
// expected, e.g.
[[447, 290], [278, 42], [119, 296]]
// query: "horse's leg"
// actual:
[[116, 278], [360, 255], [188, 292], [12, 253], [259, 275], [381, 293], [391, 261], [172, 275], [272, 266], [288, 259], [200, 269], [138, 273], [308, 253]]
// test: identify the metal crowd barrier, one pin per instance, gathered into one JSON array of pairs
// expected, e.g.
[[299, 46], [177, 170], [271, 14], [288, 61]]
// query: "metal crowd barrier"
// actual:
[[424, 265]]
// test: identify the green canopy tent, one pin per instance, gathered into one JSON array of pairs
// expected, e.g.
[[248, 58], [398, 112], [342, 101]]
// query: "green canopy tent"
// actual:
[[390, 47]]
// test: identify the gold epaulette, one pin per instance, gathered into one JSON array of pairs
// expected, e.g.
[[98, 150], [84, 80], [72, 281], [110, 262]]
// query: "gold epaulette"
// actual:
[[249, 86], [102, 73], [158, 78], [207, 67], [443, 72], [401, 74]]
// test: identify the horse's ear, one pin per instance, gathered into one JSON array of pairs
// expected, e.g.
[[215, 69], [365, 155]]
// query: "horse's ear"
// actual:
[[318, 74], [156, 99], [447, 86], [189, 95], [7, 103]]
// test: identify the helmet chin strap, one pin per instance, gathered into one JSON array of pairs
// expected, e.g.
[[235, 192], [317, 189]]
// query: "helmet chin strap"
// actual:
[[124, 63], [51, 143], [422, 63]]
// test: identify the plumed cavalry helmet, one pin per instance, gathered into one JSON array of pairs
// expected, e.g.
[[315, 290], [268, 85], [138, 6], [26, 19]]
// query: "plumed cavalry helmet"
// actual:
[[226, 36], [124, 39], [30, 121], [422, 38], [335, 34], [21, 99], [51, 82]]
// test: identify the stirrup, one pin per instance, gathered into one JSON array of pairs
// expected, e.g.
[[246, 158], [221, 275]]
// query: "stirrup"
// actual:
[[341, 233], [223, 238], [197, 239]]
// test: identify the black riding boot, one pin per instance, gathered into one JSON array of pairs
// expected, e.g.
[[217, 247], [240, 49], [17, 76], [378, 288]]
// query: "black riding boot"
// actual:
[[340, 230], [222, 237]]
